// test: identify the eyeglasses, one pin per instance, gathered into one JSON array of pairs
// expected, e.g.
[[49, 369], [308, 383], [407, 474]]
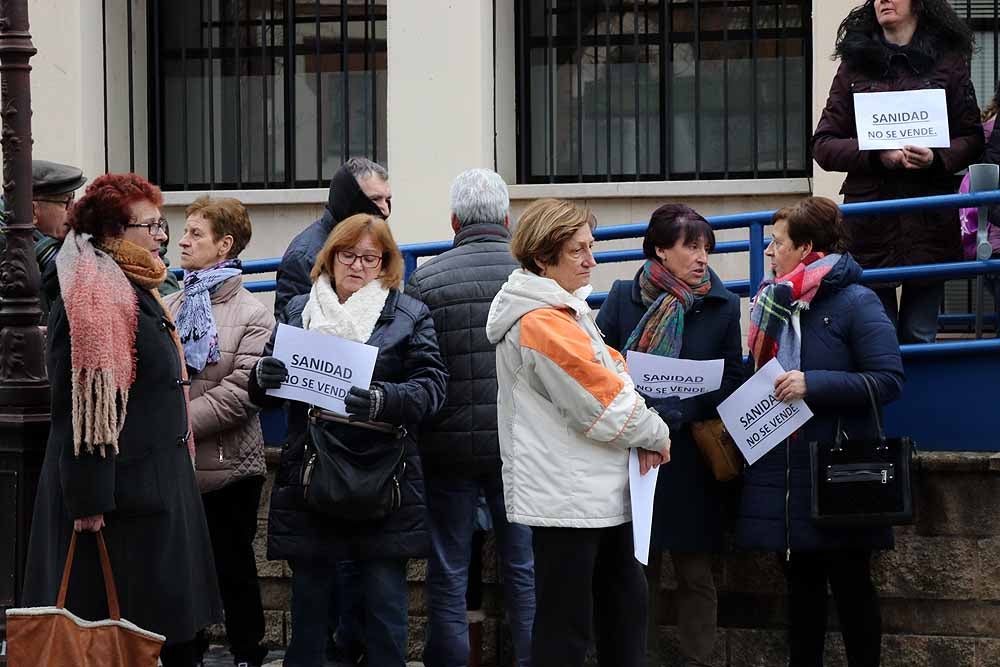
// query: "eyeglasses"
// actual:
[[65, 202], [347, 258], [154, 228]]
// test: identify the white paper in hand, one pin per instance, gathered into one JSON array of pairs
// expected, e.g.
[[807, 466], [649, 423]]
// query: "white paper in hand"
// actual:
[[902, 118], [657, 376], [642, 490], [322, 368], [756, 419]]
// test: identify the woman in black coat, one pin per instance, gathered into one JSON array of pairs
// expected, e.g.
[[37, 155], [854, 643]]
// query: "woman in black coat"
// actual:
[[119, 458], [687, 514], [898, 46], [355, 296], [844, 334]]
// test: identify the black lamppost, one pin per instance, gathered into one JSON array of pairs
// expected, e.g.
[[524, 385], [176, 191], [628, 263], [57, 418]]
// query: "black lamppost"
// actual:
[[24, 385]]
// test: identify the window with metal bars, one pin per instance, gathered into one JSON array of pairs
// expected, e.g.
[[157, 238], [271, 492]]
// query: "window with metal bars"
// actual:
[[983, 16], [264, 93], [662, 89]]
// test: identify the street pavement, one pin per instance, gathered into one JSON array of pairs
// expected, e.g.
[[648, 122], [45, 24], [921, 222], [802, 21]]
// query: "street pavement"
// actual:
[[218, 656]]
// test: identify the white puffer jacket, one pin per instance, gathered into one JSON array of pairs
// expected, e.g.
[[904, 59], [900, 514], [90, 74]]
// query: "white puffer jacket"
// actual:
[[567, 410]]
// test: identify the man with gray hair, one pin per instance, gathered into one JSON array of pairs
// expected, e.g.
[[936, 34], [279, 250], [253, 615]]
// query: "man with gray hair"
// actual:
[[358, 186], [459, 449]]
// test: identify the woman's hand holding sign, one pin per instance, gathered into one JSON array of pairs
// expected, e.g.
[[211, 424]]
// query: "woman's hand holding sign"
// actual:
[[271, 372], [364, 404], [917, 157], [649, 459], [892, 159], [790, 386]]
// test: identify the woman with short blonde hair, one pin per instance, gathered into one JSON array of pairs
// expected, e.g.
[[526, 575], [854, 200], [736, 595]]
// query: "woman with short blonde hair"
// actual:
[[568, 415]]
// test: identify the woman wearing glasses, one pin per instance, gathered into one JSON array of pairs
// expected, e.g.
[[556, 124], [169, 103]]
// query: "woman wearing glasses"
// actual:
[[119, 455], [223, 329], [355, 295]]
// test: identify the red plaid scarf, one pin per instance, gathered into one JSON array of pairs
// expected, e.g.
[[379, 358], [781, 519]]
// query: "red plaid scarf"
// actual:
[[771, 333]]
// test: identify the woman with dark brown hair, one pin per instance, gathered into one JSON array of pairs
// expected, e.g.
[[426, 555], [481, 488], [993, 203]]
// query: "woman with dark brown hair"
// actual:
[[120, 454], [678, 307], [899, 45], [831, 335], [355, 296]]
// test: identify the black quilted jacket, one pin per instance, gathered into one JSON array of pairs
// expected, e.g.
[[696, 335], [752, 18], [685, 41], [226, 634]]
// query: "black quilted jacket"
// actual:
[[458, 286]]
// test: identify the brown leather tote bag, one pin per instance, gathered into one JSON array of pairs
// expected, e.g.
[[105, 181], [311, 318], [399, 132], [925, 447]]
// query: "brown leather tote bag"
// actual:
[[55, 636]]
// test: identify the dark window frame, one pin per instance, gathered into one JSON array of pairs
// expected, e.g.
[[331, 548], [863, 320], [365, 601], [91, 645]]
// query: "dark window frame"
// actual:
[[665, 39], [263, 60]]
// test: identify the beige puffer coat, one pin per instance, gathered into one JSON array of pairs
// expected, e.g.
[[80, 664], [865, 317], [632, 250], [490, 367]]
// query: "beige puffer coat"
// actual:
[[228, 440]]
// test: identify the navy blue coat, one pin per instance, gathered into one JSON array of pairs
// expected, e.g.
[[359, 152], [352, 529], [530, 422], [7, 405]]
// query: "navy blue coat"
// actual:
[[687, 511], [845, 332], [411, 373]]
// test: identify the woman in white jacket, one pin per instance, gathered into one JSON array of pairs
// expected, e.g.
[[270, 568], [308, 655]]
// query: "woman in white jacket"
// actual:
[[568, 414]]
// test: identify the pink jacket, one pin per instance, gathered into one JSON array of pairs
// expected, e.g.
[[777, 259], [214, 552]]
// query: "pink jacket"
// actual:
[[969, 217]]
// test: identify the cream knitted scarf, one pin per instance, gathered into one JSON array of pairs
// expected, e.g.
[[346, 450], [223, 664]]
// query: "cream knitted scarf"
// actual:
[[354, 319]]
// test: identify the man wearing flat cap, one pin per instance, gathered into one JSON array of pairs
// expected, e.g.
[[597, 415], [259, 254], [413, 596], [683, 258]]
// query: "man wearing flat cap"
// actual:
[[54, 189]]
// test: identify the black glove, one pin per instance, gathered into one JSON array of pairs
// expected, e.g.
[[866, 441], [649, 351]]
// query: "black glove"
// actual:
[[364, 404], [271, 372], [669, 409]]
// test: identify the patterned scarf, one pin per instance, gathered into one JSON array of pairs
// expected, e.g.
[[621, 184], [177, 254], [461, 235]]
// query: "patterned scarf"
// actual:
[[103, 313], [195, 320], [667, 298], [771, 331]]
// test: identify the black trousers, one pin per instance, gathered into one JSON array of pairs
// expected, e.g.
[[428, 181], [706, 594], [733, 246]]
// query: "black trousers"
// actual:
[[588, 578], [232, 524], [184, 654], [848, 573]]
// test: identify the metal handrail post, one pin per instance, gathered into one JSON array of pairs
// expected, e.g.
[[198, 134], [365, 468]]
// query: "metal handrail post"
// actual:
[[982, 177], [409, 263], [756, 256]]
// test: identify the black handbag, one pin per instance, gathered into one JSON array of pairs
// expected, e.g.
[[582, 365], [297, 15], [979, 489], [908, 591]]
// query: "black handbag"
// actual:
[[357, 480], [862, 482]]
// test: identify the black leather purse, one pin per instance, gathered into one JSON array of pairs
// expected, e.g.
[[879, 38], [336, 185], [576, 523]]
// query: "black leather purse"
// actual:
[[357, 480], [862, 482]]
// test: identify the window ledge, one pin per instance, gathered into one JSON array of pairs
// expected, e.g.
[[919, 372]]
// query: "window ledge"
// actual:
[[288, 196], [622, 190], [719, 188]]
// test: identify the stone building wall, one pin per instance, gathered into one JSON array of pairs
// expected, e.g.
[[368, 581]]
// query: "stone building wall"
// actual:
[[940, 587]]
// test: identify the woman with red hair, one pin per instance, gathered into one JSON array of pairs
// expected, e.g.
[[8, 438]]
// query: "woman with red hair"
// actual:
[[119, 457]]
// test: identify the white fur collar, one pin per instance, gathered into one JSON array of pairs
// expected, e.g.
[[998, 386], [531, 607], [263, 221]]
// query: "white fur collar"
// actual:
[[354, 319]]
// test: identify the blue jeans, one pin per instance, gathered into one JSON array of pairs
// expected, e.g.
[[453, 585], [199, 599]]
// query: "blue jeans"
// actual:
[[384, 592], [916, 315], [451, 506]]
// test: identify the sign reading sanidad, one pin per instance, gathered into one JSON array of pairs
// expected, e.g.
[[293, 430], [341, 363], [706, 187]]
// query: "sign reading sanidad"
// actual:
[[902, 118], [322, 368]]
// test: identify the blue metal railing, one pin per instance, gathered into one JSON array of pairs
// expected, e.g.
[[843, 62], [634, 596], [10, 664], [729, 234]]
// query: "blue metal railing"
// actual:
[[939, 375], [755, 222]]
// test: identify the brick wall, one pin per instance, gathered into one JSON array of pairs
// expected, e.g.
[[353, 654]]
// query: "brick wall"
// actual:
[[940, 587]]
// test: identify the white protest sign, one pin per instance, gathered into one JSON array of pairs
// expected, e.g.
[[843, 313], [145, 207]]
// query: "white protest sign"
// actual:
[[659, 377], [902, 118], [321, 368], [642, 490], [756, 419]]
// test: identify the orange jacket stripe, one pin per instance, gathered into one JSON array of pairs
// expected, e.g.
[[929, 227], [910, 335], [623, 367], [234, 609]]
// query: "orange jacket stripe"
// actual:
[[556, 335]]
